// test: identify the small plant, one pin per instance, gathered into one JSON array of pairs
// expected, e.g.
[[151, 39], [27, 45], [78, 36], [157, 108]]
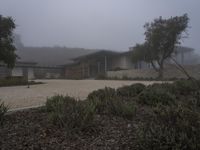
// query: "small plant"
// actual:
[[3, 110], [154, 96], [67, 112], [130, 91]]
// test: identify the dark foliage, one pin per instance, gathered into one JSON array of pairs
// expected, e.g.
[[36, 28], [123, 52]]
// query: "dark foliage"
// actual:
[[130, 91], [154, 96], [175, 128], [67, 112], [107, 102], [7, 48], [161, 38]]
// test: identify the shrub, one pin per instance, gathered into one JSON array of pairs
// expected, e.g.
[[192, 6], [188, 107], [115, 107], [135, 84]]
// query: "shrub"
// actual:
[[153, 96], [185, 87], [174, 128], [107, 102], [57, 102], [102, 99], [167, 87], [3, 110], [122, 109], [69, 113], [130, 91], [102, 94]]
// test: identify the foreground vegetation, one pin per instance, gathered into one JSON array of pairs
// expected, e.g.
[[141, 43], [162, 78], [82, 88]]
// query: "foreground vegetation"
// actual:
[[159, 116]]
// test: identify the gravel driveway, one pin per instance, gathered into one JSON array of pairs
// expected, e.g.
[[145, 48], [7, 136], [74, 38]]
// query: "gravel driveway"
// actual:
[[21, 96]]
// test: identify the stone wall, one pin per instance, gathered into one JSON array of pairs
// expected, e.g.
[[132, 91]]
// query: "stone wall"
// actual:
[[170, 72]]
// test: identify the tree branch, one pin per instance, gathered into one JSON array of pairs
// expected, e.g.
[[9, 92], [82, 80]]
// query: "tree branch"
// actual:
[[154, 66], [181, 68]]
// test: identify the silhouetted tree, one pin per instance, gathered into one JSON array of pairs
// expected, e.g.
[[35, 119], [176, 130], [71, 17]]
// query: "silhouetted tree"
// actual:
[[161, 38], [7, 49]]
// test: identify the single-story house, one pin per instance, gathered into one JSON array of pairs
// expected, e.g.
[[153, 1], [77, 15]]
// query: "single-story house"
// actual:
[[21, 69], [92, 65]]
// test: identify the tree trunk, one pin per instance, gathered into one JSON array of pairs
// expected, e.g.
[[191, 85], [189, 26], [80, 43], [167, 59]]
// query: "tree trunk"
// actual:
[[160, 73]]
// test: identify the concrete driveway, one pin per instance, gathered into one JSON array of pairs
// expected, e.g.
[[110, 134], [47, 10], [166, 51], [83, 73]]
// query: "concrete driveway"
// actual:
[[21, 96]]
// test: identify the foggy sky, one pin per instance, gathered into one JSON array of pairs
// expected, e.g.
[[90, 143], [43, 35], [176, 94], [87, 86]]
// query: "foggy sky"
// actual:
[[102, 24]]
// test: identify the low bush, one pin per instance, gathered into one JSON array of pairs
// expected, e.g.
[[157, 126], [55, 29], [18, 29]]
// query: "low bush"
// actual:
[[174, 128], [155, 96], [102, 100], [102, 94], [167, 87], [130, 91], [122, 109], [70, 113], [3, 110], [107, 102], [185, 87]]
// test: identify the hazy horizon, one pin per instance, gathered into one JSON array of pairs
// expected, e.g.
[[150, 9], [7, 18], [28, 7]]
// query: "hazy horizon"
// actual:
[[95, 24]]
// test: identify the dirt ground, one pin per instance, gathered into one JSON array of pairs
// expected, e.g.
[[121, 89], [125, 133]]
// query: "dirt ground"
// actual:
[[21, 96]]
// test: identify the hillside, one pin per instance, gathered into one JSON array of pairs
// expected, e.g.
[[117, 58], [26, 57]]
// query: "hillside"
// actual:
[[51, 55]]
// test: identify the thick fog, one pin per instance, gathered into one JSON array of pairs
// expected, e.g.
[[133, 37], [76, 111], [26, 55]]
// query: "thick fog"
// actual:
[[101, 24]]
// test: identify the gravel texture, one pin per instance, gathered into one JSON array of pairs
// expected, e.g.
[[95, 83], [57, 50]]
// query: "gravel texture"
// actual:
[[31, 130], [20, 96]]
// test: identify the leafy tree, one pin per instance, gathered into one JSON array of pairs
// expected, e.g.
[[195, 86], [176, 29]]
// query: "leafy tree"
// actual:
[[7, 48], [161, 38]]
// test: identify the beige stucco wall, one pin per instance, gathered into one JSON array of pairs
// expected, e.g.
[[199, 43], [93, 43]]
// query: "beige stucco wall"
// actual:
[[169, 72]]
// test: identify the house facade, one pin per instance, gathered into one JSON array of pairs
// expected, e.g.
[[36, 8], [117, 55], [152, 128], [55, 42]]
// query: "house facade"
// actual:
[[92, 65], [31, 70], [89, 66], [21, 69]]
